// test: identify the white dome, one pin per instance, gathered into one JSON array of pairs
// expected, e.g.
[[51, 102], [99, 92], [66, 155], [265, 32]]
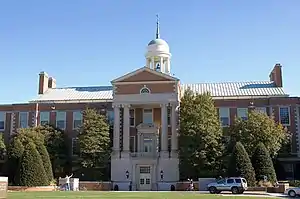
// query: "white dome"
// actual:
[[158, 46]]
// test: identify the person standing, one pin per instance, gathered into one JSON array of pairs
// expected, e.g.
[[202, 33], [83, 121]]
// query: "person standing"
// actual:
[[68, 181]]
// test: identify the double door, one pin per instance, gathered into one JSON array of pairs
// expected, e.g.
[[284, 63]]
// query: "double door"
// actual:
[[145, 178]]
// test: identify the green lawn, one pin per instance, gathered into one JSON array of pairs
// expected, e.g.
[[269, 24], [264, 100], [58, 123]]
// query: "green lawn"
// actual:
[[116, 195]]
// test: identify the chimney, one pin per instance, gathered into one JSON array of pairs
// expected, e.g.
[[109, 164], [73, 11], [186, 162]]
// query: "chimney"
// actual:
[[51, 82], [43, 82], [276, 75]]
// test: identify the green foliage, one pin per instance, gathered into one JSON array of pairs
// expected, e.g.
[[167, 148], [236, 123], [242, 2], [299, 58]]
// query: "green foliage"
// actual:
[[54, 140], [32, 172], [263, 164], [15, 152], [46, 161], [94, 140], [200, 141], [240, 164], [259, 128]]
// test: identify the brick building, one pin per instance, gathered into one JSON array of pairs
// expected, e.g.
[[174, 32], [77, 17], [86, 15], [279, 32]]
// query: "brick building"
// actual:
[[142, 107]]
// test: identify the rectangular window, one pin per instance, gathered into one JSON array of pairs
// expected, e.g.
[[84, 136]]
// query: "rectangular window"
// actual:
[[77, 119], [23, 119], [2, 120], [132, 144], [61, 120], [224, 116], [284, 116], [44, 118], [147, 116], [261, 109], [169, 116], [75, 146], [110, 117], [242, 113], [131, 115]]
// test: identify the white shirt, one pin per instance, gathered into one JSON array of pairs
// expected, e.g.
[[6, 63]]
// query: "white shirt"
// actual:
[[68, 179]]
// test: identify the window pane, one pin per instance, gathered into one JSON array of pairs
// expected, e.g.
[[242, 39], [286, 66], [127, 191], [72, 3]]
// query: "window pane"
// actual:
[[77, 119], [61, 119], [224, 121], [44, 118], [242, 113], [23, 119], [132, 143], [169, 116], [131, 114], [75, 146], [2, 120], [110, 117], [224, 116], [147, 116], [261, 109], [284, 115]]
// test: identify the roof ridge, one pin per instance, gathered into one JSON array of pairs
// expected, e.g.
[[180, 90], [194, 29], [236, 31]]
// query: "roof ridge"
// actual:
[[265, 81], [70, 87]]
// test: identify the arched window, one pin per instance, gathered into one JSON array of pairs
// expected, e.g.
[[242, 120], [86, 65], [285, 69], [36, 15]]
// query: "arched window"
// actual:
[[144, 90]]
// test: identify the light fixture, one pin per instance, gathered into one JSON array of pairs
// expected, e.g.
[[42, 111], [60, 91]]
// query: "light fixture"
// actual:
[[161, 175], [127, 174]]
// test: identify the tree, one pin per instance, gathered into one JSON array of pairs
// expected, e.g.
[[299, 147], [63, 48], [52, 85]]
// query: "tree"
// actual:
[[32, 172], [54, 140], [15, 152], [94, 141], [259, 128], [46, 161], [263, 164], [240, 164], [200, 141]]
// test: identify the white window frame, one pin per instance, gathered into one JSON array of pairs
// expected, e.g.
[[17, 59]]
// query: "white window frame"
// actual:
[[152, 114], [134, 143], [65, 119], [4, 119], [48, 117], [228, 115], [289, 112], [132, 125], [261, 110], [73, 122], [243, 111], [26, 125], [73, 145]]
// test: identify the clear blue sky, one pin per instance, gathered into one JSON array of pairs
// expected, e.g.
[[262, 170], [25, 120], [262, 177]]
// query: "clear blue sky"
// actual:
[[91, 42]]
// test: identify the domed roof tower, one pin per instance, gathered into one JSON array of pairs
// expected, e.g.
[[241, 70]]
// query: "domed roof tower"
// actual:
[[158, 53]]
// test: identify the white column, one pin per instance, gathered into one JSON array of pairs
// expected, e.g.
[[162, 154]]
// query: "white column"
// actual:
[[126, 128], [174, 129], [116, 142], [162, 67], [164, 128], [152, 63]]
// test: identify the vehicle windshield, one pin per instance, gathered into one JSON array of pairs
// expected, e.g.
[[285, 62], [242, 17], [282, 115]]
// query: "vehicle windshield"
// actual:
[[221, 181]]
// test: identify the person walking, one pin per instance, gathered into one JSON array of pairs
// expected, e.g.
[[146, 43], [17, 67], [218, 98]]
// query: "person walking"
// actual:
[[68, 181]]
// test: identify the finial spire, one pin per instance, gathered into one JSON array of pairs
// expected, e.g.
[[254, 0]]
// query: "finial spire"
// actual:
[[157, 27]]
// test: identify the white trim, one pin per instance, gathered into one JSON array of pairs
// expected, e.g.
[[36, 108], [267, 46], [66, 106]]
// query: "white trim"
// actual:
[[248, 97], [133, 117], [141, 70], [145, 82], [289, 112], [75, 111], [4, 120], [19, 122], [74, 101], [145, 87]]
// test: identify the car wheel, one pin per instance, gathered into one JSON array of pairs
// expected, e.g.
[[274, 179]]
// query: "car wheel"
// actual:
[[212, 190], [218, 192], [292, 193], [234, 190], [241, 191]]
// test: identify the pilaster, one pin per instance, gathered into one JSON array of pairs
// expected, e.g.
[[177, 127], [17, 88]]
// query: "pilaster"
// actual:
[[116, 137], [126, 129], [164, 128]]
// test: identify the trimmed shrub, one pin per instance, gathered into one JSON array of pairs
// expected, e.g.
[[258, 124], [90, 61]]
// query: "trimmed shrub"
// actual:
[[32, 172], [46, 161], [262, 164], [240, 164]]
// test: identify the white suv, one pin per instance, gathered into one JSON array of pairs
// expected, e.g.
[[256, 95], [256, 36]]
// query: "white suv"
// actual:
[[236, 185]]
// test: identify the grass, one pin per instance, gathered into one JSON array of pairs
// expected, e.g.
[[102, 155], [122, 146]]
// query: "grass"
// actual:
[[118, 195]]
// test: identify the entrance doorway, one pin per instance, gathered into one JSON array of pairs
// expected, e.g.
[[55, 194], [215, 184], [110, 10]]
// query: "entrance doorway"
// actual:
[[145, 178]]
